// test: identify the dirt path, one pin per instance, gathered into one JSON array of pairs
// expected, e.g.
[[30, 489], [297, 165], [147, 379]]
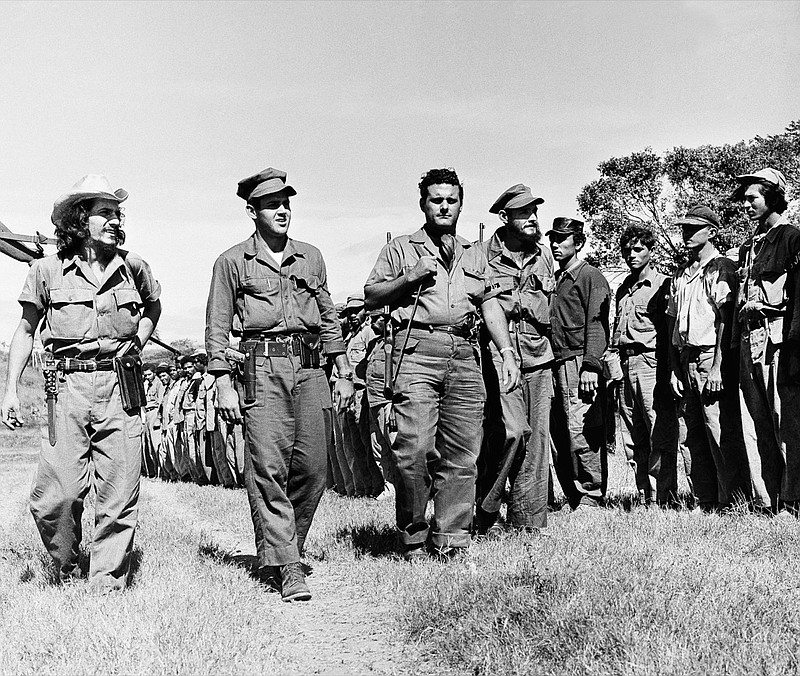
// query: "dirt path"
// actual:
[[341, 631]]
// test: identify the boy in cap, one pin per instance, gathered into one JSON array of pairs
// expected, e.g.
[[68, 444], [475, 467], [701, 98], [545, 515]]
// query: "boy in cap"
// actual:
[[579, 323], [701, 310], [769, 325], [641, 338], [272, 292], [516, 445], [434, 282], [96, 304]]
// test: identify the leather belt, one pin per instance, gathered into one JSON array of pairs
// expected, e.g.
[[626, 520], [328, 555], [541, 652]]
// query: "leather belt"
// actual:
[[70, 365], [632, 350], [453, 329]]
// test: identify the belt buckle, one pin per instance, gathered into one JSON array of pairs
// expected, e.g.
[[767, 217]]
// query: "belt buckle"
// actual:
[[277, 348]]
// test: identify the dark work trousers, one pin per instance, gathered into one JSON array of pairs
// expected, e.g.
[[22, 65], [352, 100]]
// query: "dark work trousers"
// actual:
[[438, 403], [516, 446], [578, 435], [649, 427], [90, 425], [285, 456], [713, 430]]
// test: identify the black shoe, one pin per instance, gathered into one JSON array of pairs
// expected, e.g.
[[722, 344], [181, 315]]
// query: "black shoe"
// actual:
[[293, 583], [270, 576]]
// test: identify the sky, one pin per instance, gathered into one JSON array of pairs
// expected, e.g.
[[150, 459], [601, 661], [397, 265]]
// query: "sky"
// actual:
[[177, 101]]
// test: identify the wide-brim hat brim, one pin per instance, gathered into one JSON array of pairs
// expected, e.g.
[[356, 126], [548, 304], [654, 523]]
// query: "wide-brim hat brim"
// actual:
[[65, 201]]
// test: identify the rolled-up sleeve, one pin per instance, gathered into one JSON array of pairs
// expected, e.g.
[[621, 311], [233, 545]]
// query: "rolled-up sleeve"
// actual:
[[219, 314]]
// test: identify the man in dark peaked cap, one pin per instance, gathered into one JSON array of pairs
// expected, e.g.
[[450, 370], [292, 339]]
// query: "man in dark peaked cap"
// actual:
[[516, 444], [272, 292]]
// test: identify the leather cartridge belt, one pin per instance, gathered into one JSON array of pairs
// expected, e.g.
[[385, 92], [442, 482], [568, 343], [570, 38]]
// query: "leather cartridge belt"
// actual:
[[524, 326], [282, 345], [626, 351], [70, 365], [460, 330]]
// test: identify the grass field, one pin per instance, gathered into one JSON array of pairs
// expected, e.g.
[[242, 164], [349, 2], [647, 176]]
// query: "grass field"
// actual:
[[622, 590]]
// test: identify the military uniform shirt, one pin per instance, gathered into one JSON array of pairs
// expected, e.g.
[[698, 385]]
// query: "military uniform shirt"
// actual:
[[524, 296], [87, 318], [251, 294], [449, 298], [641, 307]]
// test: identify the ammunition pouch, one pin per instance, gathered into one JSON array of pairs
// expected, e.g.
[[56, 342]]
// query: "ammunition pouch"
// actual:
[[131, 382]]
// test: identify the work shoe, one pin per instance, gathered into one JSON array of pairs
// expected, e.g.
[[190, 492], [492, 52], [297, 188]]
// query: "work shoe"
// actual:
[[270, 576], [415, 553], [293, 583]]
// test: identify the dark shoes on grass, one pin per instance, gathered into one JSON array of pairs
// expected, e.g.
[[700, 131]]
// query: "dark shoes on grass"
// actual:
[[293, 583]]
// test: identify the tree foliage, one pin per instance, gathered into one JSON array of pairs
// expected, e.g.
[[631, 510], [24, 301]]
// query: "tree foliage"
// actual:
[[655, 190]]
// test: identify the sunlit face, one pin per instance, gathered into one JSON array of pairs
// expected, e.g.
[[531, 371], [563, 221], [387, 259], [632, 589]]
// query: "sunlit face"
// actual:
[[164, 377], [148, 375], [523, 222], [272, 215], [755, 206], [696, 237], [636, 255], [442, 207], [173, 372], [563, 245], [104, 222]]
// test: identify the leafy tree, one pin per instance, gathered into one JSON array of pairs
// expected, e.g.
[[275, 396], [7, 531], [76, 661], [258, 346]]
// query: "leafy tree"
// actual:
[[654, 190]]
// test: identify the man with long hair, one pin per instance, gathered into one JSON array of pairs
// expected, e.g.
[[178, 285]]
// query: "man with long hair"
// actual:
[[97, 305]]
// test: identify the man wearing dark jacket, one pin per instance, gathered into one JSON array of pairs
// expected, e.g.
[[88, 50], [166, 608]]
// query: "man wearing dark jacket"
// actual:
[[579, 322]]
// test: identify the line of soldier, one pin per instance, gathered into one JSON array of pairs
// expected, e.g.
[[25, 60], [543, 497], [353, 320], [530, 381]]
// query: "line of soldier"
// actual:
[[532, 372], [184, 437]]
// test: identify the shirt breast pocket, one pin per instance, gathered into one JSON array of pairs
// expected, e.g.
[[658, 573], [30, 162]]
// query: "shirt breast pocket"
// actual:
[[474, 284], [71, 315], [128, 312]]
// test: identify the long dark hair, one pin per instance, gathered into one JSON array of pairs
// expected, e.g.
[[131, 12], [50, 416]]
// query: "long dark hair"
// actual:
[[73, 229]]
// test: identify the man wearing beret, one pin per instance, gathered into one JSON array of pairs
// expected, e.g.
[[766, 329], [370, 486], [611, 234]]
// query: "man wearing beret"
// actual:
[[579, 323], [704, 375], [516, 444], [272, 292], [434, 282], [97, 305], [769, 324]]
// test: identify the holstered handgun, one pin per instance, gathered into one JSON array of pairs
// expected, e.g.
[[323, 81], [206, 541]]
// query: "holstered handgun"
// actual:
[[243, 361], [131, 382]]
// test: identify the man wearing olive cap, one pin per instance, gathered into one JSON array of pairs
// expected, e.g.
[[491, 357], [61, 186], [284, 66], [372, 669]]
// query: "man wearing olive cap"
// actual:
[[579, 325], [700, 308], [768, 311], [96, 304], [272, 292], [516, 444]]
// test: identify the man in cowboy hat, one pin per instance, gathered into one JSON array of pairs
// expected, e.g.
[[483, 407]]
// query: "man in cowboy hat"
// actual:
[[579, 322], [97, 305], [272, 291], [434, 282], [769, 323], [516, 445]]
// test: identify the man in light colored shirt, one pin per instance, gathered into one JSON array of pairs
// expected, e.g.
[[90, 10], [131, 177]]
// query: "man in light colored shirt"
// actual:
[[701, 307]]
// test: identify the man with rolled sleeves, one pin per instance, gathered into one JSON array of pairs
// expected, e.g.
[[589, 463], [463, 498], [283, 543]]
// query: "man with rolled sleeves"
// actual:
[[579, 322], [516, 445], [97, 304], [641, 337], [272, 292], [434, 282], [700, 308], [769, 326]]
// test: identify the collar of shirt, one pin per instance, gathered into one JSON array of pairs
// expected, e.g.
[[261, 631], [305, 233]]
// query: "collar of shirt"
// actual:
[[573, 270], [253, 249], [497, 247], [421, 236], [630, 283], [772, 233], [700, 268], [77, 262]]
